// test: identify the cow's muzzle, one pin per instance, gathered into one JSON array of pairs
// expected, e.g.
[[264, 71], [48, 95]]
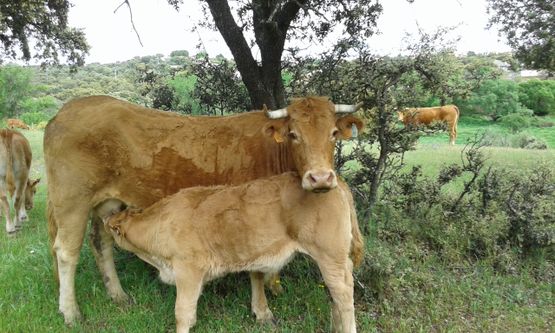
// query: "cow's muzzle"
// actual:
[[319, 180]]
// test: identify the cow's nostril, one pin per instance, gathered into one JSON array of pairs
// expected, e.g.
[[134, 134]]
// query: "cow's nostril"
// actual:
[[312, 179]]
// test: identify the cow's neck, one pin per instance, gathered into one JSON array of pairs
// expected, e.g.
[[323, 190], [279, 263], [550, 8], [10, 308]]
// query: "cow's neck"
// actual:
[[280, 160]]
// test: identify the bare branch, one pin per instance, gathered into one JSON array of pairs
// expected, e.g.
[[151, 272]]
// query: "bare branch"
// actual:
[[126, 2]]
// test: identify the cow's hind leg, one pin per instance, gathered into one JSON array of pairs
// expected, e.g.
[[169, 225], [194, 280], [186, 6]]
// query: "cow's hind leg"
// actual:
[[339, 280], [102, 245], [452, 133], [259, 303], [72, 224]]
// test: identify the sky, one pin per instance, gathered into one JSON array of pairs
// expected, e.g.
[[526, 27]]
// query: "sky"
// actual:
[[162, 29]]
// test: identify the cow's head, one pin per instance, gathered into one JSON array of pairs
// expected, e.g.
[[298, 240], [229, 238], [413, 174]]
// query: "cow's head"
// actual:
[[401, 115], [310, 127], [30, 191]]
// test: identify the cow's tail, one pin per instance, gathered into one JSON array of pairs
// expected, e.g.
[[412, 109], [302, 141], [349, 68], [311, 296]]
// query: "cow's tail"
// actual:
[[52, 232], [357, 241]]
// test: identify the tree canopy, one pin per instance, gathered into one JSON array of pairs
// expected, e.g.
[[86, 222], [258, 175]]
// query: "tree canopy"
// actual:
[[529, 26], [43, 26], [272, 24]]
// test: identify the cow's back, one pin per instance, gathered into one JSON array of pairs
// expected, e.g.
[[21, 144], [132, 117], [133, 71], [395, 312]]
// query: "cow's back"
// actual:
[[106, 148]]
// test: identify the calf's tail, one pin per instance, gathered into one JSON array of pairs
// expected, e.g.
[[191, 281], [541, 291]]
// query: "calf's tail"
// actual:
[[7, 137]]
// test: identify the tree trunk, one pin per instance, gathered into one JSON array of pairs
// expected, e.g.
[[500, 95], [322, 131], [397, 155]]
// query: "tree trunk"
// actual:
[[263, 81], [380, 165]]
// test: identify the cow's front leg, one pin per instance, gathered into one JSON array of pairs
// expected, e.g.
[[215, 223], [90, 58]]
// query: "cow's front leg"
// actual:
[[188, 280]]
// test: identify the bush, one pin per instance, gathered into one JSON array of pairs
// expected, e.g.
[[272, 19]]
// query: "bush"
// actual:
[[527, 141], [516, 122], [32, 118], [521, 140], [538, 95]]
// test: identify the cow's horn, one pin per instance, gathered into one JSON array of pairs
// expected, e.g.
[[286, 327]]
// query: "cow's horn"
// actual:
[[276, 114], [347, 108]]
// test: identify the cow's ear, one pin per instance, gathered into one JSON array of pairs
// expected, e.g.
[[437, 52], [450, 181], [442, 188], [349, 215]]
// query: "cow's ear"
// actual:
[[275, 129], [345, 126], [35, 182]]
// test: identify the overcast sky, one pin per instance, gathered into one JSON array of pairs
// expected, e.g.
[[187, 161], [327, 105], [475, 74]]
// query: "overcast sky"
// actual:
[[162, 29]]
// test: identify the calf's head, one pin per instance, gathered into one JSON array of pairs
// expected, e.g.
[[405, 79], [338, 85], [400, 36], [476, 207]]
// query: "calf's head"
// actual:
[[30, 191], [310, 128]]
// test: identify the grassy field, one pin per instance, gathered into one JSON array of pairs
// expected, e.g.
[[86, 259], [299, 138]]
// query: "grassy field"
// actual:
[[424, 294]]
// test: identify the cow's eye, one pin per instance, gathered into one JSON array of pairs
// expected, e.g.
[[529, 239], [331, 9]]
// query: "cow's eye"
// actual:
[[292, 136], [335, 133]]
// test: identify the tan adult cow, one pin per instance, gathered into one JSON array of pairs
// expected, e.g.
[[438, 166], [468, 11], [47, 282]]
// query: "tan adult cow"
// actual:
[[16, 123], [98, 148], [201, 233], [15, 163], [448, 114]]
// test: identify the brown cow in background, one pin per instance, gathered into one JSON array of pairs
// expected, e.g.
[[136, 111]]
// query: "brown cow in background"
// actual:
[[448, 114], [97, 148], [15, 163], [16, 123]]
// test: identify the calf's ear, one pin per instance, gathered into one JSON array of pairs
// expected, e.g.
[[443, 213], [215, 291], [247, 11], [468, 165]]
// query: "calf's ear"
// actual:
[[35, 182], [345, 126]]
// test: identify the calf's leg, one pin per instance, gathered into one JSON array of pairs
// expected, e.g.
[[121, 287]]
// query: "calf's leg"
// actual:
[[338, 277], [102, 245], [273, 283], [259, 303], [188, 280], [18, 206], [10, 226]]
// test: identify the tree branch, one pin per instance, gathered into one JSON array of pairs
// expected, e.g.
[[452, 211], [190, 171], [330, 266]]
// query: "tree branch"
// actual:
[[126, 2]]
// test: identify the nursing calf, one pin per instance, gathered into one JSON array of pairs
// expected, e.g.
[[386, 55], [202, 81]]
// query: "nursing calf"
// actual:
[[201, 233], [15, 163]]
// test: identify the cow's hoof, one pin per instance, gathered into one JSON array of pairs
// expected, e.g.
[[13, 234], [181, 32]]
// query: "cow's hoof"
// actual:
[[12, 233]]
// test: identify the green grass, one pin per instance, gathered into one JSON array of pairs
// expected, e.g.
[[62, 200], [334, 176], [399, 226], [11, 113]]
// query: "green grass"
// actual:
[[468, 127], [424, 294]]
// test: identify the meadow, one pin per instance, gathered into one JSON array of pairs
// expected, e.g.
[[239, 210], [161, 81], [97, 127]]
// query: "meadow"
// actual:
[[407, 289]]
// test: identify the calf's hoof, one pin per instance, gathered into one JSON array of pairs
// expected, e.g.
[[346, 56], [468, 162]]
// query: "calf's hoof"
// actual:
[[265, 317], [276, 288], [71, 317], [123, 300]]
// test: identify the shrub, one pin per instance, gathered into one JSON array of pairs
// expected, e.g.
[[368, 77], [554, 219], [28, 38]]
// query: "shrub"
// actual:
[[516, 122], [527, 141], [521, 140], [32, 118]]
